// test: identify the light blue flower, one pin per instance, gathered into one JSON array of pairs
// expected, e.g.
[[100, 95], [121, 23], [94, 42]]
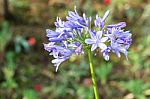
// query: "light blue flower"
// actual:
[[106, 53], [70, 37], [96, 40], [75, 21], [117, 48], [59, 23], [120, 40], [101, 21], [58, 61], [118, 25], [79, 49]]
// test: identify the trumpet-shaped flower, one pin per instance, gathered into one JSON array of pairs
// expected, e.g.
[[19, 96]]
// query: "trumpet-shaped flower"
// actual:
[[120, 40], [96, 40], [106, 53], [101, 21], [58, 61]]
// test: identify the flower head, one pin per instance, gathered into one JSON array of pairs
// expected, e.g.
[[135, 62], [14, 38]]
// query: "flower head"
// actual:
[[76, 34], [120, 40]]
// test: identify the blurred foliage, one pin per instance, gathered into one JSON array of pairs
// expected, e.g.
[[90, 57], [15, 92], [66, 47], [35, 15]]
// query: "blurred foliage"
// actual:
[[5, 35], [23, 67], [19, 43], [103, 72], [137, 87], [30, 94], [143, 48], [9, 83], [19, 4]]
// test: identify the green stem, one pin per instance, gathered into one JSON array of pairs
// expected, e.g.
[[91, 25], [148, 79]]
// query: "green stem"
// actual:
[[93, 75]]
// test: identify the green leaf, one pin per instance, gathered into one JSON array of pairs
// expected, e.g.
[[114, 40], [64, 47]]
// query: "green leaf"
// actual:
[[137, 87], [9, 84], [10, 57], [103, 71], [5, 35], [30, 94]]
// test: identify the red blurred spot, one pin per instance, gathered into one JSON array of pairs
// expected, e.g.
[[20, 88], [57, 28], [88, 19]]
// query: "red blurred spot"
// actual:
[[32, 41], [107, 2], [38, 87]]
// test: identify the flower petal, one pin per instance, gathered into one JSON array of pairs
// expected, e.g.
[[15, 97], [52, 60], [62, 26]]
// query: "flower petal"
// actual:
[[117, 53], [105, 15], [106, 57], [51, 33], [124, 51], [102, 46], [120, 24], [104, 39], [99, 34], [90, 41], [94, 46], [58, 61], [93, 36], [55, 39]]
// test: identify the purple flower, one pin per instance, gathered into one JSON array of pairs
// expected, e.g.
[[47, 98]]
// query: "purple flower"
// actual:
[[59, 23], [55, 36], [106, 53], [62, 26], [96, 40], [120, 40], [125, 39], [75, 21], [50, 47], [118, 25], [51, 33], [58, 51], [58, 61], [117, 48], [79, 49], [101, 21], [74, 36]]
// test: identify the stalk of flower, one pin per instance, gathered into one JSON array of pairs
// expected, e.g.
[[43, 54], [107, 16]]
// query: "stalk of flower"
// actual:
[[77, 36]]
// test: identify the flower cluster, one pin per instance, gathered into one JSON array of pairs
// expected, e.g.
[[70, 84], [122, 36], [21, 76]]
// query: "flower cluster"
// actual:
[[76, 35]]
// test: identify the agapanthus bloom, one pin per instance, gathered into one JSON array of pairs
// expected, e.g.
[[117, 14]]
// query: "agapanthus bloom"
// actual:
[[96, 40], [76, 34]]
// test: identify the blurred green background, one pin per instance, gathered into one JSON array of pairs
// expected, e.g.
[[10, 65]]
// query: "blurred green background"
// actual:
[[26, 71]]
